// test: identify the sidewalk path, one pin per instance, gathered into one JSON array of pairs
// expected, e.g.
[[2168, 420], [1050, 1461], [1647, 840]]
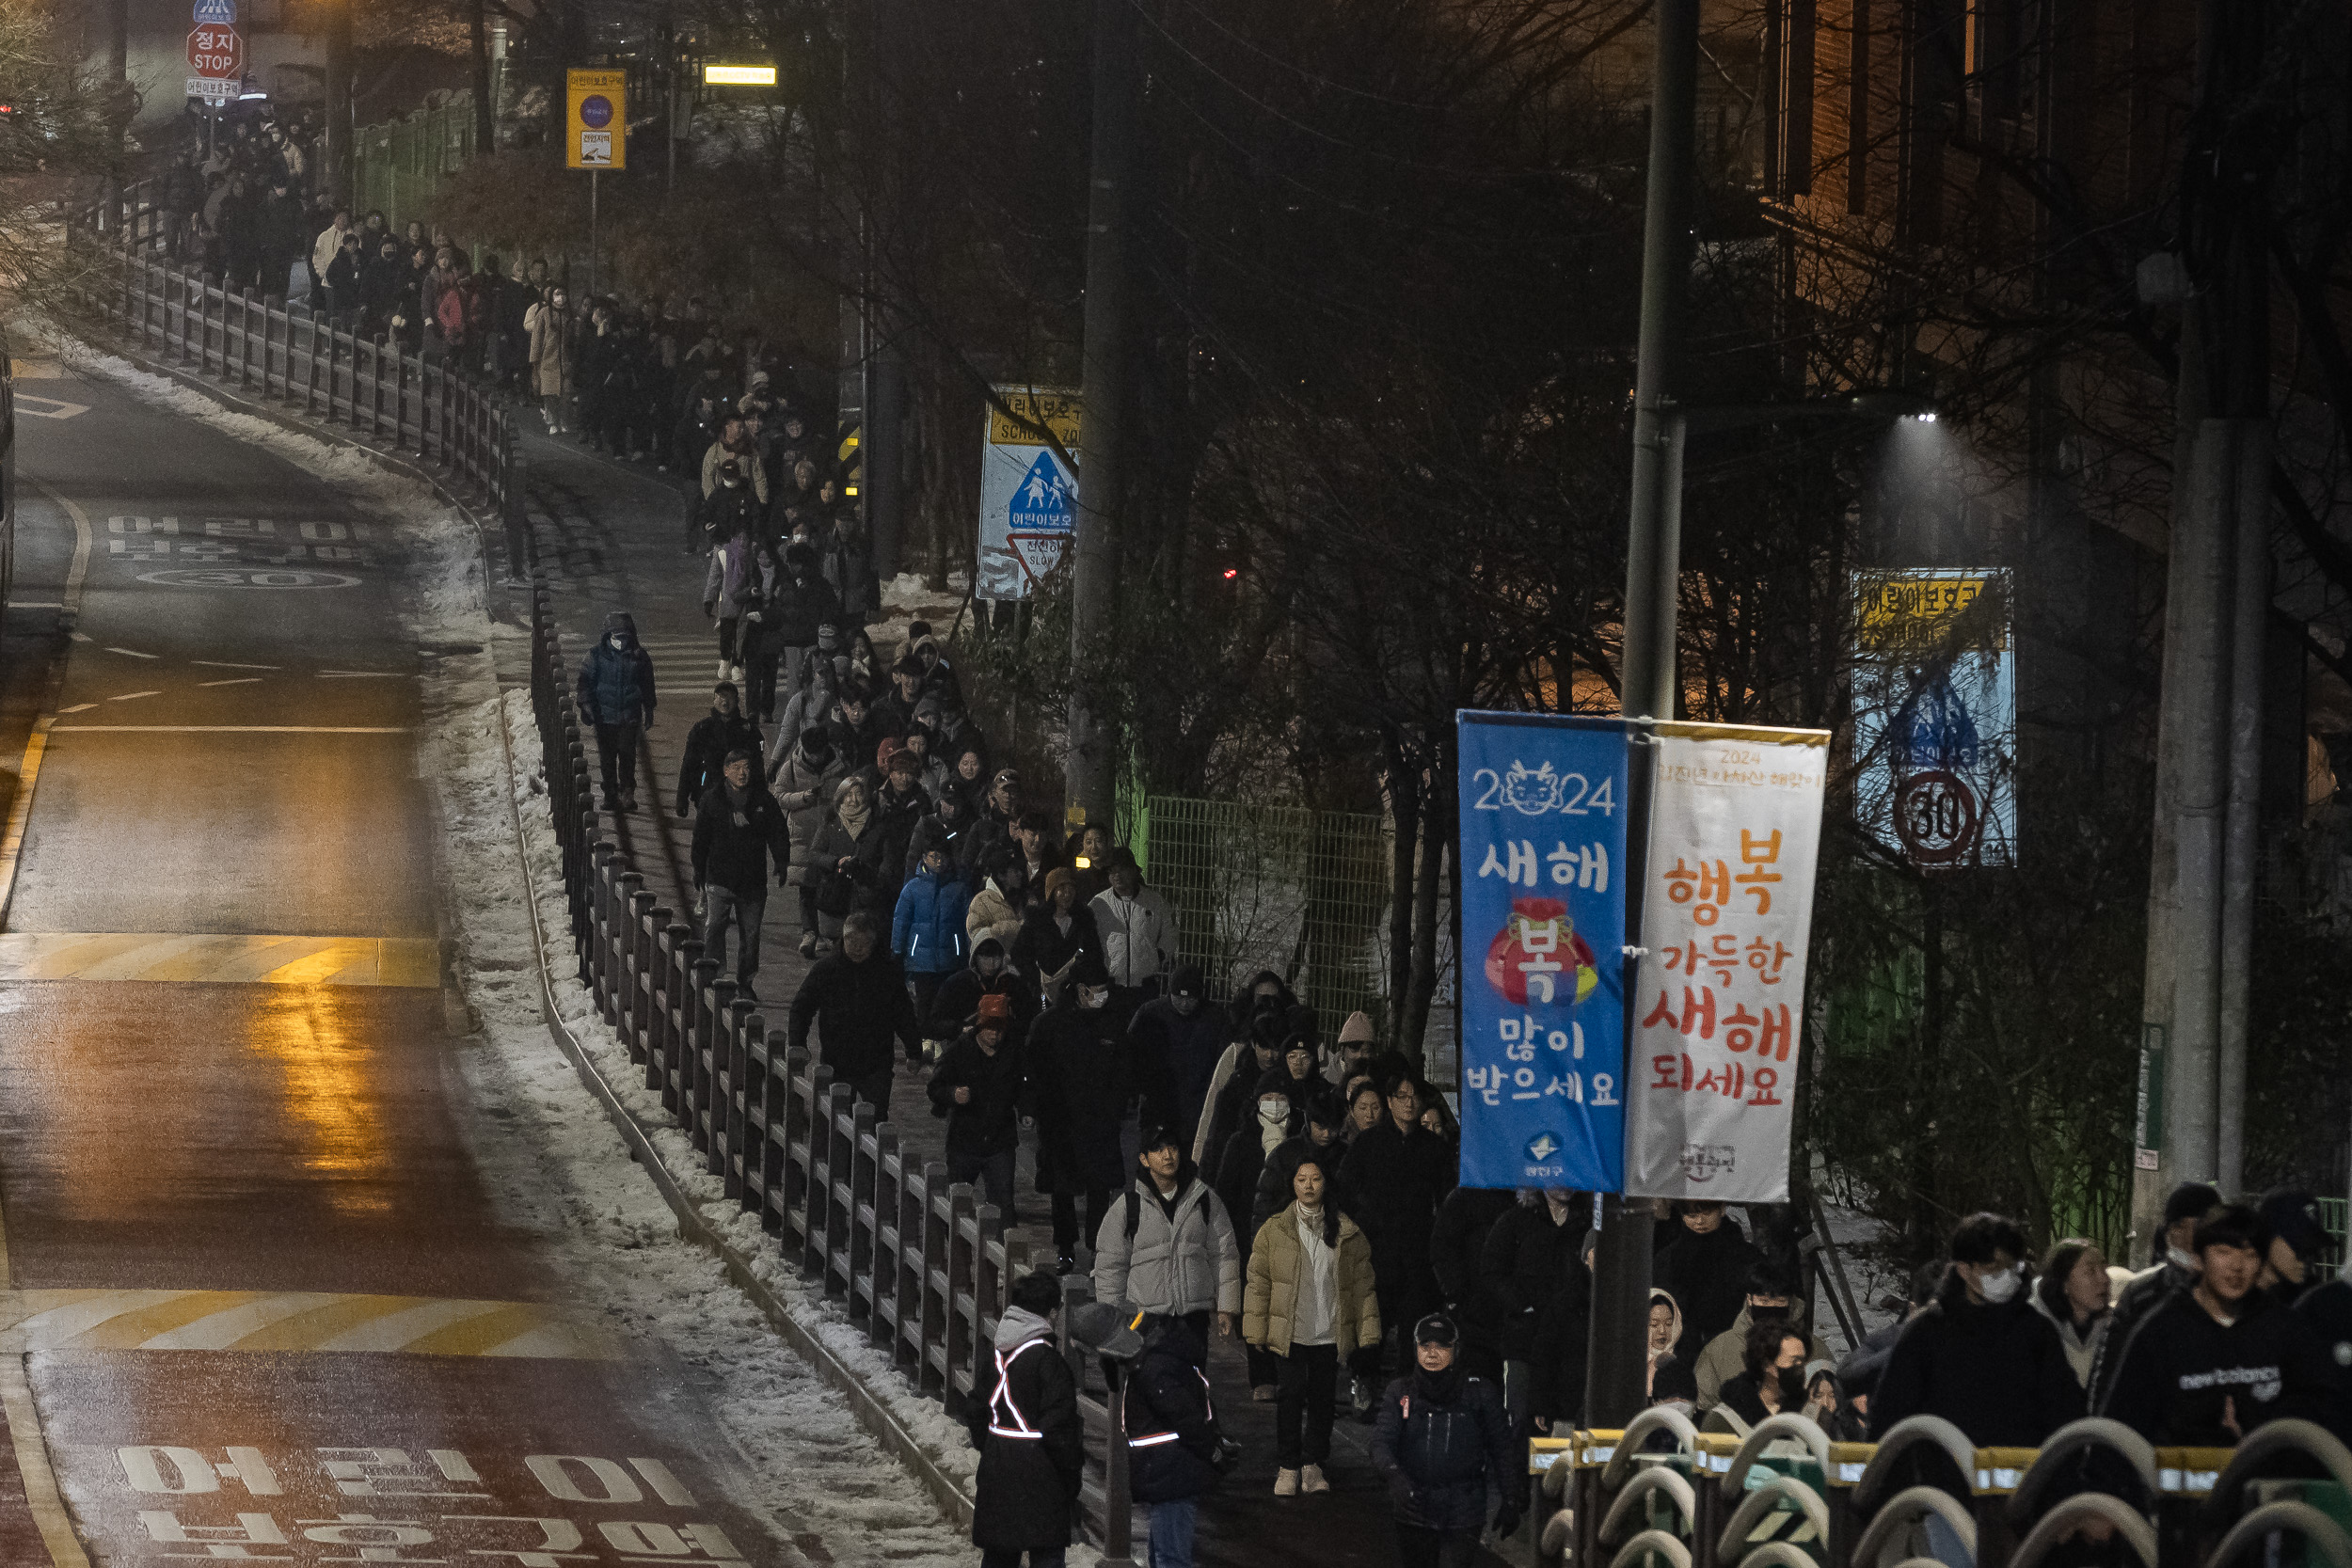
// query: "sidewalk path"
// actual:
[[610, 536]]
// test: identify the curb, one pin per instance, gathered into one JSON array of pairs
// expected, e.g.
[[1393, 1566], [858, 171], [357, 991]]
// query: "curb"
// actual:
[[871, 1413]]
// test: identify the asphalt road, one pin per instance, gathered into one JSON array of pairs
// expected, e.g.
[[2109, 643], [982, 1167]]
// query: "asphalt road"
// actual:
[[255, 1292]]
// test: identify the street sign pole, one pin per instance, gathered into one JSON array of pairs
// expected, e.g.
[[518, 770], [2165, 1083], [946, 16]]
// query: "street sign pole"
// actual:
[[592, 233]]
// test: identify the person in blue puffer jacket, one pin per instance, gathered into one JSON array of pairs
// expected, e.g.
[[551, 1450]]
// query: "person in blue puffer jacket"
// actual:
[[615, 698], [927, 933], [1441, 1441]]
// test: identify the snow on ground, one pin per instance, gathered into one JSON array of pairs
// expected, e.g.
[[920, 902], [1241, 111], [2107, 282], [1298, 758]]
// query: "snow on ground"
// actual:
[[551, 1162]]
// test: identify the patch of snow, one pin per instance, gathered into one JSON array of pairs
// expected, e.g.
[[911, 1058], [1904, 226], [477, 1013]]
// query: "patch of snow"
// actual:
[[551, 1163]]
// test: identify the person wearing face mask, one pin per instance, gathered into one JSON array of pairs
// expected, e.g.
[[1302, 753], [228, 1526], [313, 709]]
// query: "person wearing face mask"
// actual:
[[2173, 1269], [2297, 1236], [990, 973], [1177, 1039], [1239, 1164], [615, 695], [1772, 1296], [1980, 1356], [1771, 1376], [1080, 1087]]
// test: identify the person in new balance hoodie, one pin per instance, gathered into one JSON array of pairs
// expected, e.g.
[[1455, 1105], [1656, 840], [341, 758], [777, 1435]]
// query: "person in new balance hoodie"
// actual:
[[2211, 1363]]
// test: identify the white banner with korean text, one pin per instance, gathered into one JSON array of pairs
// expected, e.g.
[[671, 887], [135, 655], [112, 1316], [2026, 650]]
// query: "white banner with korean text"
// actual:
[[1718, 1003]]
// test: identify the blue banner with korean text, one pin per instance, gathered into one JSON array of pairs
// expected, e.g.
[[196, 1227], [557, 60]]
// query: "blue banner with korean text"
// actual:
[[1543, 937]]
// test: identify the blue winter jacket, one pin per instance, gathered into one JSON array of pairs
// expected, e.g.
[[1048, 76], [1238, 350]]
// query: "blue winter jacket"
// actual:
[[615, 684], [927, 934]]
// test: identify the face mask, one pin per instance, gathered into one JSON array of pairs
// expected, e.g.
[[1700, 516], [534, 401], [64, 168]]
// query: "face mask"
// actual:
[[1999, 1288], [2180, 1258], [1274, 1110], [1092, 999]]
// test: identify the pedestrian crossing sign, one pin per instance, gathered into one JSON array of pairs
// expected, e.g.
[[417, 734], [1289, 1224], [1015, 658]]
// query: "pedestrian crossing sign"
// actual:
[[1028, 489]]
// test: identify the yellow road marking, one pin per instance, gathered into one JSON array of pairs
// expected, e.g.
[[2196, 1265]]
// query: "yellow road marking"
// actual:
[[20, 811], [32, 1465], [303, 1320], [277, 961]]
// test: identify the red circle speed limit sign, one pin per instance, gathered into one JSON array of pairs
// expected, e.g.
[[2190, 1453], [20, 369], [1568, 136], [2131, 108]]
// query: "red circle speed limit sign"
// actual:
[[1936, 817], [216, 49]]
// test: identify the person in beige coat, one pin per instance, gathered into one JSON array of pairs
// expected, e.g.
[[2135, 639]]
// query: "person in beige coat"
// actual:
[[551, 356], [1310, 1300]]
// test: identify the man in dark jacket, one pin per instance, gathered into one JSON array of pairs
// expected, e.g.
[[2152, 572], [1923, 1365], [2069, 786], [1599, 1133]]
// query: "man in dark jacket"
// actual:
[[2211, 1363], [1980, 1356], [740, 832], [1390, 1184], [1032, 1445], [615, 695], [1177, 1039], [1079, 1087], [800, 602], [989, 974], [857, 998], [1441, 1441], [1175, 1452], [1533, 1253], [1705, 1266], [1457, 1246], [2173, 1269], [945, 828], [978, 1086], [708, 742]]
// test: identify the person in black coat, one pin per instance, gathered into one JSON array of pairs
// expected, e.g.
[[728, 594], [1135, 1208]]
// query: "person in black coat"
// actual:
[[1390, 1184], [989, 974], [1056, 934], [1771, 1373], [739, 833], [1177, 1039], [1705, 1265], [1533, 1253], [1079, 1087], [1980, 1356], [1457, 1243], [1441, 1441], [978, 1086], [1032, 1445], [708, 742], [947, 828], [857, 998], [1175, 1452]]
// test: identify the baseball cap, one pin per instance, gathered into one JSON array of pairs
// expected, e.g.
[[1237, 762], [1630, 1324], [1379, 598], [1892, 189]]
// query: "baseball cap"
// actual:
[[1435, 1329]]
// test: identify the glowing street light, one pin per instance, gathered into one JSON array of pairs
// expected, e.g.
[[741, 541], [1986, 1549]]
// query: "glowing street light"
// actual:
[[738, 76]]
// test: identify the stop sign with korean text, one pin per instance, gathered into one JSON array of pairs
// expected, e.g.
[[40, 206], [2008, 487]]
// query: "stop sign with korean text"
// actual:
[[216, 50]]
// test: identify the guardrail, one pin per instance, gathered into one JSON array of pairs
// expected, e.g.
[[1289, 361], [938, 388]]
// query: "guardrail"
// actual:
[[919, 1263], [264, 345], [1661, 1493]]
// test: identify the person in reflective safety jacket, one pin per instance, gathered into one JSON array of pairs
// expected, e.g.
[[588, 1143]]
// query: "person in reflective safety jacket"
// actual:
[[1174, 1450], [1032, 1448]]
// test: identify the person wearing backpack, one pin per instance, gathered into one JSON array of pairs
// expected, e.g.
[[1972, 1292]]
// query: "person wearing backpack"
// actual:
[[1168, 1246], [1175, 1452]]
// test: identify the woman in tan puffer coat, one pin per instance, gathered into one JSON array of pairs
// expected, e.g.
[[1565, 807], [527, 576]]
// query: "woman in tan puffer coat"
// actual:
[[1310, 1300]]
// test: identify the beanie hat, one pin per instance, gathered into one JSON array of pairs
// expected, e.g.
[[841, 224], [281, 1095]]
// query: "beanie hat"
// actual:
[[995, 1008], [1357, 1027]]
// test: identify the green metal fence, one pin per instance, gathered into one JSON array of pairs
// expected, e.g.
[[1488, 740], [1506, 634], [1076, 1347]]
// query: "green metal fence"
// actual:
[[1299, 892], [396, 165]]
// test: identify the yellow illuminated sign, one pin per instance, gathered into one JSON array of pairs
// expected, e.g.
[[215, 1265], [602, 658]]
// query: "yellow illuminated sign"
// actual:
[[596, 120], [1918, 613], [738, 76], [1055, 408]]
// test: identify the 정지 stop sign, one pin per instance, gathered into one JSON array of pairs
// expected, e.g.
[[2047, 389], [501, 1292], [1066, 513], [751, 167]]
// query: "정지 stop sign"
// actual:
[[216, 50]]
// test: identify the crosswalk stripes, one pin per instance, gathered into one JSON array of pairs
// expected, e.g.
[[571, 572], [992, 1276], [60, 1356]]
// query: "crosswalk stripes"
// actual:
[[99, 1320], [208, 957]]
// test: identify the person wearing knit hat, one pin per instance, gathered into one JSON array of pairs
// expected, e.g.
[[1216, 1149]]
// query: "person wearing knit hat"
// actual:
[[978, 1086], [1357, 1049]]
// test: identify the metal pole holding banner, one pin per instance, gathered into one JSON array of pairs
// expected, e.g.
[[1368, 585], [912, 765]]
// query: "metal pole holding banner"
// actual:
[[1614, 1365]]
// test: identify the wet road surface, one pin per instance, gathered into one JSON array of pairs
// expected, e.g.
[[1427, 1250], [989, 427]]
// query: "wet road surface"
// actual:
[[256, 1294]]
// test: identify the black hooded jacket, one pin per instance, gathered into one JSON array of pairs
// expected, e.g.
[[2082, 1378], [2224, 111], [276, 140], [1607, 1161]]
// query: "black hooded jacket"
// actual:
[[1999, 1373], [1168, 1393], [959, 1000]]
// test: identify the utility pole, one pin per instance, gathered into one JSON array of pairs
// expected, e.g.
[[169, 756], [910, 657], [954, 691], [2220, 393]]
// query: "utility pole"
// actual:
[[1089, 768], [2204, 846], [339, 99], [1614, 1365], [872, 384]]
